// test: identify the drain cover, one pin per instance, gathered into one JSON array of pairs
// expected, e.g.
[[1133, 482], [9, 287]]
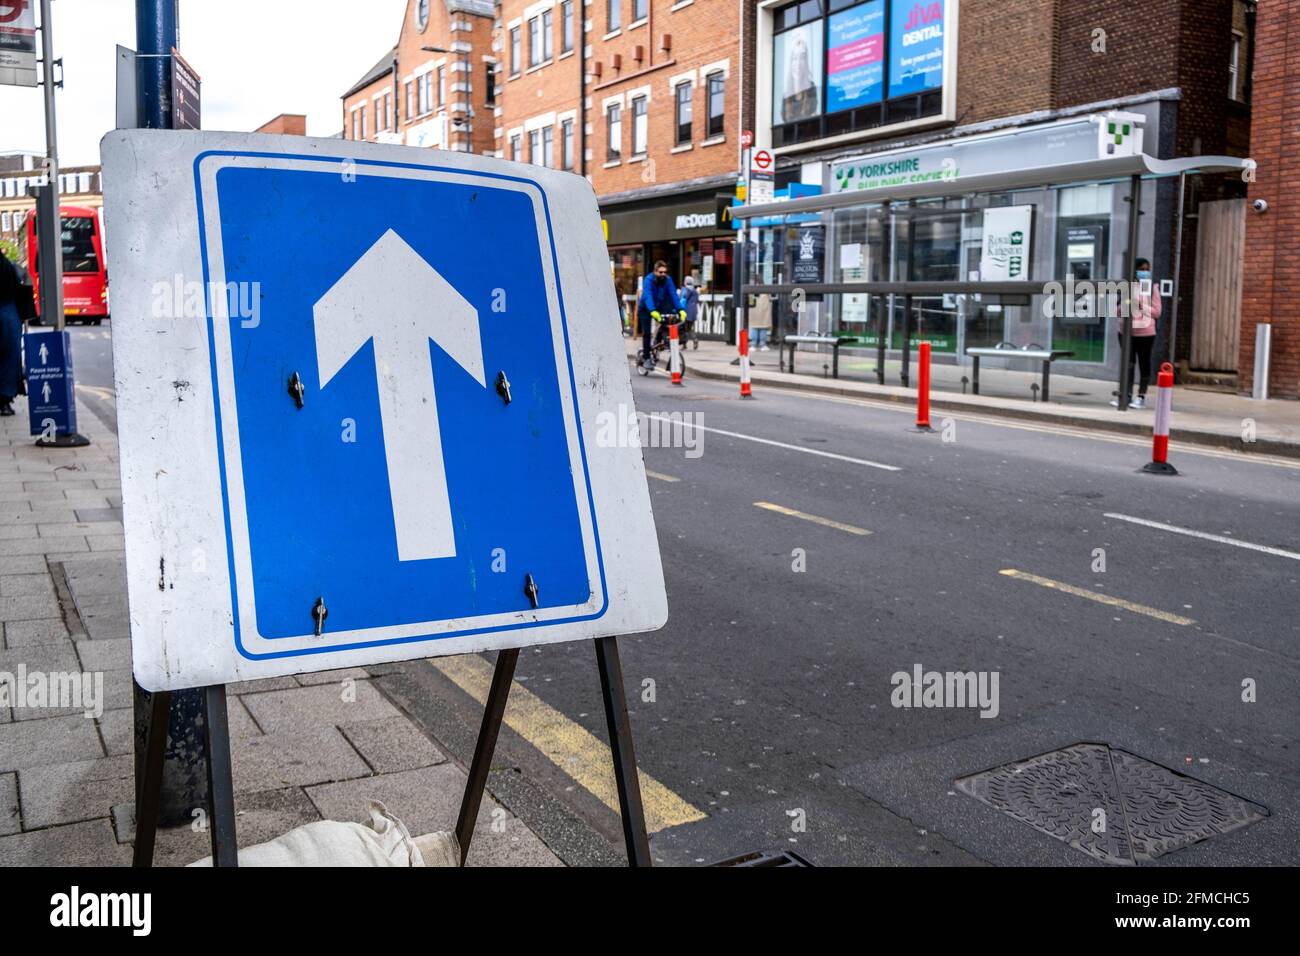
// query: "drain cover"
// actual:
[[1111, 804]]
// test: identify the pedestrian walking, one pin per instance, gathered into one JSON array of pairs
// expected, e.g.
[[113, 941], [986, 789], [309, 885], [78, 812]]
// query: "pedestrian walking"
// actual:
[[1144, 314], [760, 321], [690, 304], [16, 307]]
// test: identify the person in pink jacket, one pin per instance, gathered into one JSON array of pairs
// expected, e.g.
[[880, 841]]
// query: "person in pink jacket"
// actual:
[[1146, 313]]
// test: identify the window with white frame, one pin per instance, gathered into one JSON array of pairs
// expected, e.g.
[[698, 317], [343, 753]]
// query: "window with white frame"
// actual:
[[426, 93], [516, 51], [534, 41], [640, 10], [717, 88], [6, 222], [535, 147], [613, 132], [442, 86], [517, 148], [410, 100], [683, 112], [548, 34], [614, 15], [640, 124], [548, 146], [566, 26]]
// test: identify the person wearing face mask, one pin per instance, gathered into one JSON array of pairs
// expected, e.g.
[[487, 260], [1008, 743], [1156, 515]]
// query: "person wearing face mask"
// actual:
[[1146, 310], [659, 302]]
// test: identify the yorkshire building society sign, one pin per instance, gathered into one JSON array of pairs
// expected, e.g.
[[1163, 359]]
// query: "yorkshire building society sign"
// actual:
[[1005, 253], [378, 437]]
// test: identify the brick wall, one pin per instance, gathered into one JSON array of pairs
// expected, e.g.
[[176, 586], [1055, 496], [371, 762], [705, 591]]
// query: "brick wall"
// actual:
[[1005, 58], [286, 124], [1272, 277]]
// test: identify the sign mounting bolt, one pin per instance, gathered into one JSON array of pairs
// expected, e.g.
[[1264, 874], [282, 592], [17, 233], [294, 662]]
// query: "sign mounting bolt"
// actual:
[[296, 388], [530, 588], [503, 387], [319, 612]]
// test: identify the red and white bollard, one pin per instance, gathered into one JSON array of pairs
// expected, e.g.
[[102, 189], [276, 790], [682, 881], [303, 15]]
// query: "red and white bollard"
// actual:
[[1159, 464], [745, 391], [674, 354], [923, 390]]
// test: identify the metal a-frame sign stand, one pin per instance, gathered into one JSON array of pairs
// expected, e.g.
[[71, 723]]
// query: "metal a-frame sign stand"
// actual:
[[221, 791]]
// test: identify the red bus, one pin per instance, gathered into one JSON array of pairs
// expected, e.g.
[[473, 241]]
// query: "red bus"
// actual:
[[85, 277]]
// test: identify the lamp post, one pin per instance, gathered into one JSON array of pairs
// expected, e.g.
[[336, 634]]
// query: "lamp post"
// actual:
[[465, 125]]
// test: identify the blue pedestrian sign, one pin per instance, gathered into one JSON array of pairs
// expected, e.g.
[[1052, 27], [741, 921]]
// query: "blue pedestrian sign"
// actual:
[[51, 405], [393, 363]]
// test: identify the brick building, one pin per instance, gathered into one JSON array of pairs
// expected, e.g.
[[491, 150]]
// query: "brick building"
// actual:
[[1272, 276], [639, 96], [846, 86], [436, 86]]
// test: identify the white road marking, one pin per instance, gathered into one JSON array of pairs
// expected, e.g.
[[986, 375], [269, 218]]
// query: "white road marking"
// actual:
[[1206, 536], [777, 444], [1067, 431]]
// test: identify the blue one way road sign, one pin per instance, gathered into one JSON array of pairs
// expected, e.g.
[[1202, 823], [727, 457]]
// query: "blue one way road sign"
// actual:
[[376, 438]]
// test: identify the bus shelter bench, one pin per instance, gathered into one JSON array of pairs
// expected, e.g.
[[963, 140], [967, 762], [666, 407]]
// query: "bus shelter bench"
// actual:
[[1046, 356], [836, 342]]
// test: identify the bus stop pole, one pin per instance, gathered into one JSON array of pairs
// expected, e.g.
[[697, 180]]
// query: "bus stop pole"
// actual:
[[1130, 300], [51, 270], [49, 242], [1178, 268]]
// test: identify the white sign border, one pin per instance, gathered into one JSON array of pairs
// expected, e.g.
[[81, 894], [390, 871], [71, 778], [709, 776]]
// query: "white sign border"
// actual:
[[249, 639]]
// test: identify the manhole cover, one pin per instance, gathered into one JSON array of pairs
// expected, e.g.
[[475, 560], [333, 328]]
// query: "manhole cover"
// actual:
[[1111, 804]]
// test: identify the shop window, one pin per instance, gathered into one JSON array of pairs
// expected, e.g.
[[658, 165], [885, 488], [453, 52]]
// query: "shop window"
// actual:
[[717, 104], [614, 132], [683, 92]]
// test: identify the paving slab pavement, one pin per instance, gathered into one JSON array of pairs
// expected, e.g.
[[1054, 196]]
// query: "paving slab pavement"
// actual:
[[303, 749]]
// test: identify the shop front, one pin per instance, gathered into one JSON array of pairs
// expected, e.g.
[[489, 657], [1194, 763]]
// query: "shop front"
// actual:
[[684, 232], [1017, 239]]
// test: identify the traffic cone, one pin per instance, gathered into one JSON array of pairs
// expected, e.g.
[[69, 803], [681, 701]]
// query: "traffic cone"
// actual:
[[674, 355], [1159, 464], [745, 391]]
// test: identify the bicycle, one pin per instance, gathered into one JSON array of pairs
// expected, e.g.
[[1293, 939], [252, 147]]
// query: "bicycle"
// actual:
[[661, 346]]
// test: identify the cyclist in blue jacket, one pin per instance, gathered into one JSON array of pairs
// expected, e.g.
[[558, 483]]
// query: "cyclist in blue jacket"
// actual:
[[658, 301]]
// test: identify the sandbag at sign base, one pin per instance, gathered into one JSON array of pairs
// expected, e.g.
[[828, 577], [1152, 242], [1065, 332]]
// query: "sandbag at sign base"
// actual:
[[385, 842]]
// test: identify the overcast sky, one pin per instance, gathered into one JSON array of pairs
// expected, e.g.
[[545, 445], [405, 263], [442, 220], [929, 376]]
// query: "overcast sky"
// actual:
[[257, 59]]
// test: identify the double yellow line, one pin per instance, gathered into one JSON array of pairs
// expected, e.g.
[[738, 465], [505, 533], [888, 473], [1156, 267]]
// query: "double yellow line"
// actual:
[[569, 746]]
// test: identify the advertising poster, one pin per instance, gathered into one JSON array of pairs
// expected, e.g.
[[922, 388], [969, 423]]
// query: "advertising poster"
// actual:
[[796, 74], [855, 57], [916, 35], [1005, 255]]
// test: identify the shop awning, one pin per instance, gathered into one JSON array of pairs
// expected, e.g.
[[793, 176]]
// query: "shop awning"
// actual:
[[1090, 170]]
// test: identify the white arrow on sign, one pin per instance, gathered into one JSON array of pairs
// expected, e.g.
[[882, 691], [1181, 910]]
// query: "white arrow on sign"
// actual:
[[391, 294], [45, 353], [45, 393]]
